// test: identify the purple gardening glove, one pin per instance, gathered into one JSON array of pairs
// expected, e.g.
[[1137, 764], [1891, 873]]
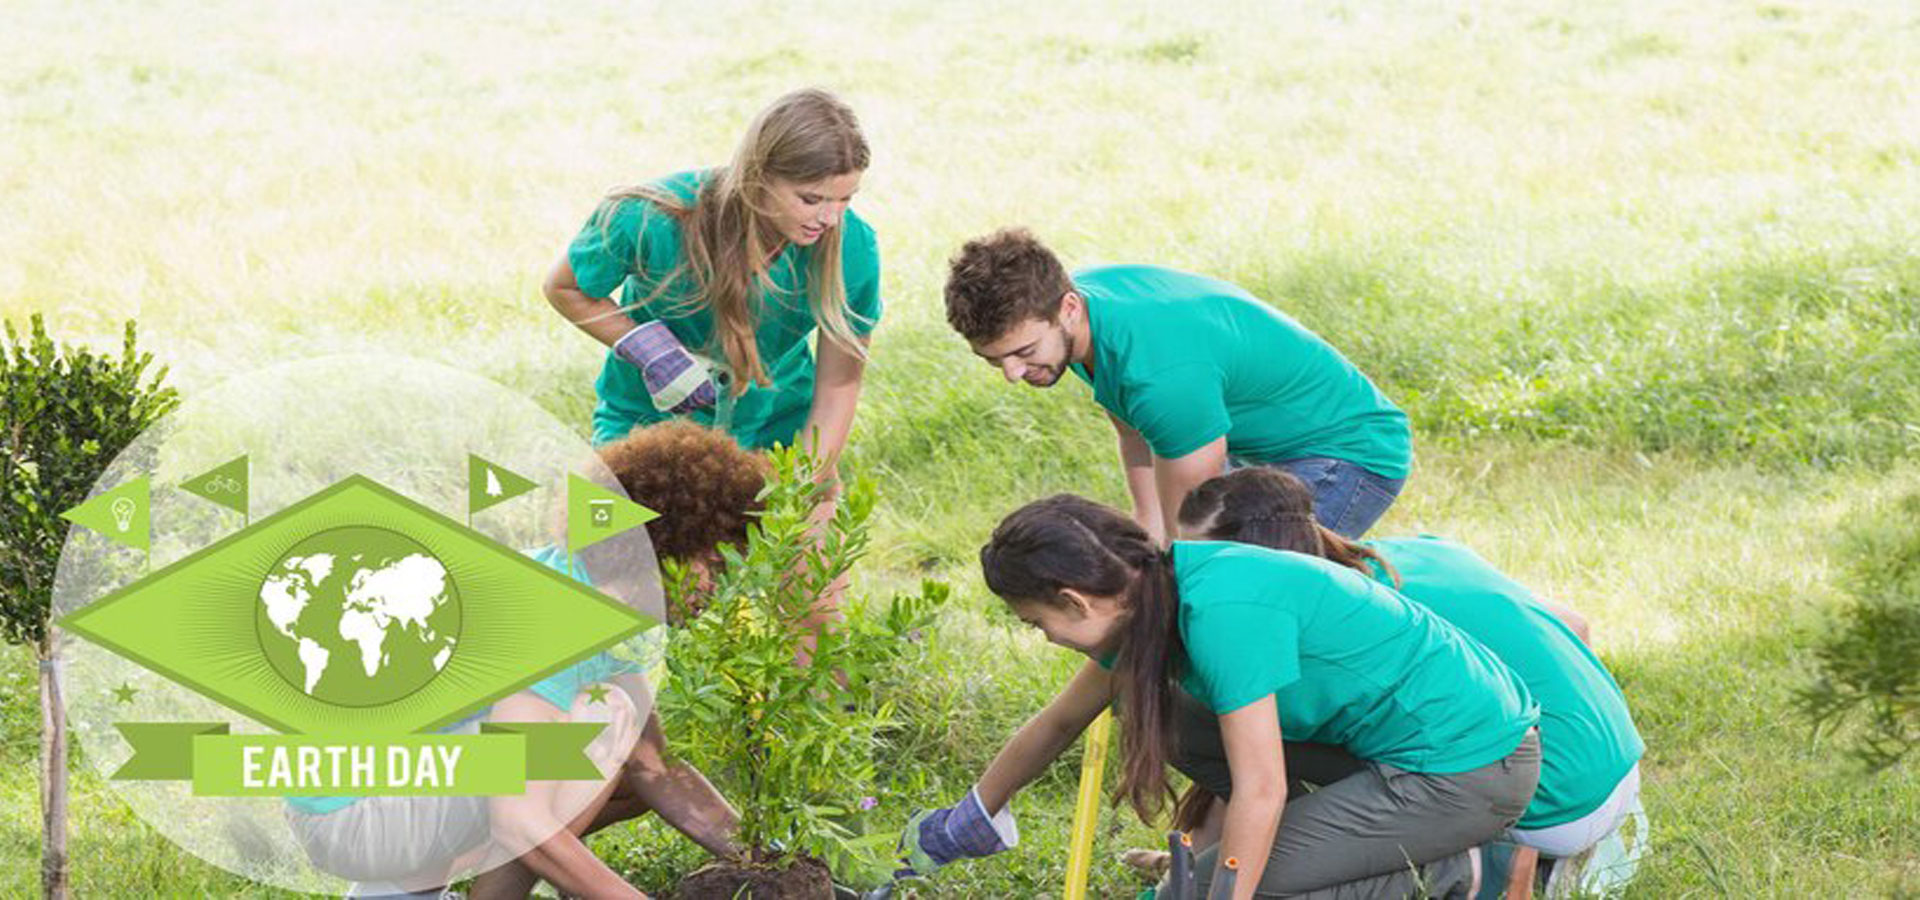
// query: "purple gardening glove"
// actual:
[[964, 831], [677, 381]]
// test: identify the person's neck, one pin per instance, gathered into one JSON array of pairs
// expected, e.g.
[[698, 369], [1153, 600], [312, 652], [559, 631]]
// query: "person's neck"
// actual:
[[1082, 333], [776, 244]]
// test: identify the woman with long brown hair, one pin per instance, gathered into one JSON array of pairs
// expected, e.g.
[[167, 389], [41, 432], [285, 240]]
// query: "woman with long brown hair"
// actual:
[[1590, 749], [1279, 646], [723, 275]]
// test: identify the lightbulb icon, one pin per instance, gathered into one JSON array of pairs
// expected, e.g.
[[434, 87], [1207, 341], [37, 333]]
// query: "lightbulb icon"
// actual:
[[123, 510]]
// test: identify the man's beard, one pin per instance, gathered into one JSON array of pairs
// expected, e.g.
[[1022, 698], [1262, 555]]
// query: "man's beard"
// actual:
[[1055, 373]]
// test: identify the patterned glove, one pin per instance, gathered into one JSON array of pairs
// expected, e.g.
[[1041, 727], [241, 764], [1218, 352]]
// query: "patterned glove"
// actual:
[[963, 831], [677, 381]]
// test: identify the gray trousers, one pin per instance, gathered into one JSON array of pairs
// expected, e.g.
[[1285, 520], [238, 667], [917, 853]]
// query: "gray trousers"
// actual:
[[1369, 830]]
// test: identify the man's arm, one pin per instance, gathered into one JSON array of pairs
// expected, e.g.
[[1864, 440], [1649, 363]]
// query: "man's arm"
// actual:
[[1136, 462], [1174, 478]]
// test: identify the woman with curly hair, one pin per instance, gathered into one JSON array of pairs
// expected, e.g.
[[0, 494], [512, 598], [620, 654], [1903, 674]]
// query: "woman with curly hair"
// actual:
[[705, 487]]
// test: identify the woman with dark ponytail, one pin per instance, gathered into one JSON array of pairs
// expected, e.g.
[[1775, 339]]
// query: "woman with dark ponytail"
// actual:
[[1278, 646], [1590, 750]]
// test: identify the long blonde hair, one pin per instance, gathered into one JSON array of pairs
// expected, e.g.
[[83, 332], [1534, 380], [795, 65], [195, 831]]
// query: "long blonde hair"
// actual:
[[803, 137]]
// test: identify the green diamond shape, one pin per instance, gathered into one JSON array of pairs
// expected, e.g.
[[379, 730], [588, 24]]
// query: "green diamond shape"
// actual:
[[199, 621]]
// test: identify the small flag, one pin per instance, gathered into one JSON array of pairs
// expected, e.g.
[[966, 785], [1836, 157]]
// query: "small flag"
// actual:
[[226, 484], [119, 513], [489, 484], [595, 513]]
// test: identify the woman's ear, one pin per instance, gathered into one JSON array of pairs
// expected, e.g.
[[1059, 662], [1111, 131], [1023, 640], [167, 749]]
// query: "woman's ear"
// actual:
[[1076, 602]]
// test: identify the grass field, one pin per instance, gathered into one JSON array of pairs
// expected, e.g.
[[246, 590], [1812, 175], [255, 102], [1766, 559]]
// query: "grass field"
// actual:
[[1643, 274]]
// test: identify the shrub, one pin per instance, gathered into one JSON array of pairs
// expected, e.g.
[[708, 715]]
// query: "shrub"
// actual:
[[1870, 664], [793, 745], [65, 414]]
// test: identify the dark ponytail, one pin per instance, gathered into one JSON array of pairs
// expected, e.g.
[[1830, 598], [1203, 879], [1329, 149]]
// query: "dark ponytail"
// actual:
[[1270, 508], [1066, 541]]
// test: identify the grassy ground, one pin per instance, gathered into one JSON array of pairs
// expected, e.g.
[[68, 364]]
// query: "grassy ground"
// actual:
[[1642, 275]]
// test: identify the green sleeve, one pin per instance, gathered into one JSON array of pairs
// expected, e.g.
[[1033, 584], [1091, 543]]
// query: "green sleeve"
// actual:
[[860, 268], [1180, 409], [604, 253], [1241, 653]]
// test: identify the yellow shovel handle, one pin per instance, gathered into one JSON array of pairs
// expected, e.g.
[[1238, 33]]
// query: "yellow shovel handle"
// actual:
[[1086, 809]]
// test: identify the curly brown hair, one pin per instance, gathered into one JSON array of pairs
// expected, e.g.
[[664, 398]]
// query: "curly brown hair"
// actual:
[[999, 281], [704, 485]]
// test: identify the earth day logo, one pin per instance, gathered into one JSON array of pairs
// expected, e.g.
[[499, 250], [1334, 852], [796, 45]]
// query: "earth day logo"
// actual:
[[337, 622], [277, 506], [358, 616]]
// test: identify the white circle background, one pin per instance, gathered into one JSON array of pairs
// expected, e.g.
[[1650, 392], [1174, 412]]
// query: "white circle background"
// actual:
[[404, 423]]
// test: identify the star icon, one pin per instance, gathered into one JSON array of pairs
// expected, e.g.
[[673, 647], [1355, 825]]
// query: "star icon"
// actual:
[[597, 693], [124, 693]]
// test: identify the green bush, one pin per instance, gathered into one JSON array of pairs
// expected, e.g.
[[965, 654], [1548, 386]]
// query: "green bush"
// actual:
[[793, 746], [1870, 664], [65, 414]]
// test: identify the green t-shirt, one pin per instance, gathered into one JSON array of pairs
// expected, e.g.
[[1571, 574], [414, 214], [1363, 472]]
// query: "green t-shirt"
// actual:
[[1349, 662], [1587, 739], [563, 686], [1185, 359], [640, 247]]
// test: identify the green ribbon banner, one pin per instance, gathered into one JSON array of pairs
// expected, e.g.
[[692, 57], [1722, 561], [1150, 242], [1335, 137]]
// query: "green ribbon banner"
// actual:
[[498, 761]]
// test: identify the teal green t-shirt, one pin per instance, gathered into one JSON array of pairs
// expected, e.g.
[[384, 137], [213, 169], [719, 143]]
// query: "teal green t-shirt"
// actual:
[[639, 248], [561, 687], [1587, 738], [1349, 661], [1185, 359]]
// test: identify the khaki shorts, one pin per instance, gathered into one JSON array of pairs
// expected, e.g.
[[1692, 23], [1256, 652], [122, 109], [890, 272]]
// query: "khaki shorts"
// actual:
[[392, 838]]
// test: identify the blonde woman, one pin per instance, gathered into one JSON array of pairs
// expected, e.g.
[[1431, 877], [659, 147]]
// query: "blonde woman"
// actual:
[[723, 275]]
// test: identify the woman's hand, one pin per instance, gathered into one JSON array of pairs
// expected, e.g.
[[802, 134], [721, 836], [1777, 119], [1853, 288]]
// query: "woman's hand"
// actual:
[[965, 830], [982, 824], [677, 381]]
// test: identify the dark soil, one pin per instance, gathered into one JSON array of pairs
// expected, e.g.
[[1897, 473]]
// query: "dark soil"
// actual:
[[806, 879]]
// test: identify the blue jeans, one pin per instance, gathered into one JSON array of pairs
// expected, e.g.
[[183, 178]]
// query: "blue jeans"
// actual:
[[1347, 497]]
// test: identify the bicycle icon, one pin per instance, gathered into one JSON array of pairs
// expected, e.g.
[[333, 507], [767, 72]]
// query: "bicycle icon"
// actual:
[[223, 484]]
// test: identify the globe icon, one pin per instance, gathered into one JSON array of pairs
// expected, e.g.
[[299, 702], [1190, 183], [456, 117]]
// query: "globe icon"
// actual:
[[358, 616]]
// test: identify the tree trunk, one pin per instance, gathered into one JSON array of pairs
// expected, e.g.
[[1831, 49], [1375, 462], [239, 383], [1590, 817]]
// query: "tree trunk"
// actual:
[[53, 775]]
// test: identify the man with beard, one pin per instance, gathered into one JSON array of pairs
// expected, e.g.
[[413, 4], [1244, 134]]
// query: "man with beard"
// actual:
[[1197, 375]]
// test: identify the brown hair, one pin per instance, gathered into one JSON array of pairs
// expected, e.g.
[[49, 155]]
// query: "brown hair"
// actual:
[[999, 281], [805, 136], [1271, 508], [1066, 541], [705, 487]]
